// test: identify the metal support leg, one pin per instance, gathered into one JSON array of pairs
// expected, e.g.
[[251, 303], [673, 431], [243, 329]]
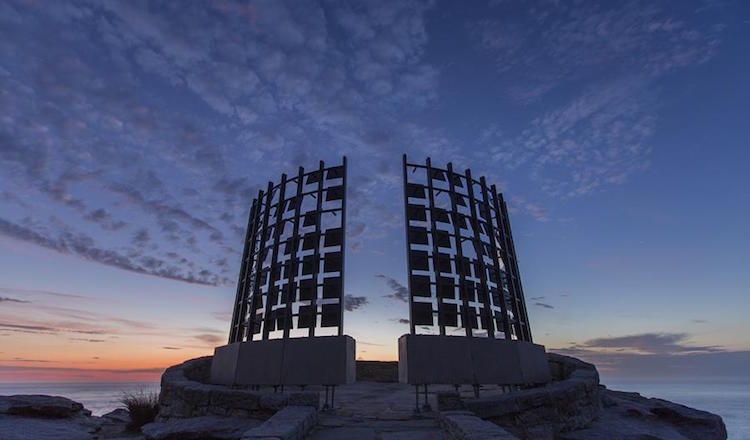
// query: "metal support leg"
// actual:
[[325, 405], [476, 390], [426, 406], [416, 399], [333, 397]]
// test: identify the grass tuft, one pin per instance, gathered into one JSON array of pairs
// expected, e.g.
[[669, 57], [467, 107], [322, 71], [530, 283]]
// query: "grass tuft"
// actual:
[[143, 407]]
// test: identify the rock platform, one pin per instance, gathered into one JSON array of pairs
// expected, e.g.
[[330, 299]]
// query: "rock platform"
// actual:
[[574, 406]]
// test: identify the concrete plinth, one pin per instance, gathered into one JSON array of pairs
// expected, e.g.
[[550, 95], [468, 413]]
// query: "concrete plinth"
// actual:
[[435, 359], [320, 360]]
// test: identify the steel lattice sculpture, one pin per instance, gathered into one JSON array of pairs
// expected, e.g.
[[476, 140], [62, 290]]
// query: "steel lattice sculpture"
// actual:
[[292, 268], [461, 259], [462, 268]]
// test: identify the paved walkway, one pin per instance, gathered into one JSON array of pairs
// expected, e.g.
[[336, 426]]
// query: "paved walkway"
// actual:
[[379, 411]]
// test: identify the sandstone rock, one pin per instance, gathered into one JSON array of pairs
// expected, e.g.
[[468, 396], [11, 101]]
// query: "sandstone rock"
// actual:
[[450, 401], [199, 428], [464, 425], [630, 415], [291, 423], [120, 415], [575, 407], [25, 428], [41, 406]]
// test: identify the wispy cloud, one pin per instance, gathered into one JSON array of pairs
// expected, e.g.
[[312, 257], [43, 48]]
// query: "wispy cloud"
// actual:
[[12, 300], [83, 246], [211, 339], [646, 343], [606, 57], [659, 355], [352, 303], [399, 291], [34, 292], [134, 164]]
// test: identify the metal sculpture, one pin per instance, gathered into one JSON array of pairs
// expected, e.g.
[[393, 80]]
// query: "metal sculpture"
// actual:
[[292, 274], [461, 260]]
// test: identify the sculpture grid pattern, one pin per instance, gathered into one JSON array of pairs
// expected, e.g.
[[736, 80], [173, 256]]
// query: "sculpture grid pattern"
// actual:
[[292, 273], [461, 260]]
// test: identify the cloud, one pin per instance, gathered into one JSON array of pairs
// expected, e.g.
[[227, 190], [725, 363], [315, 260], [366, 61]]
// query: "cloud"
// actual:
[[88, 340], [90, 130], [399, 291], [12, 300], [171, 348], [646, 343], [50, 319], [83, 246], [70, 328], [370, 344], [596, 140], [42, 292], [104, 219], [544, 305], [222, 316], [659, 355], [20, 359], [731, 365], [567, 42], [352, 303], [599, 134], [212, 339]]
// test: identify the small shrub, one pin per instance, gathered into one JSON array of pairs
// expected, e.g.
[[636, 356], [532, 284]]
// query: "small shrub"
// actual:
[[143, 407]]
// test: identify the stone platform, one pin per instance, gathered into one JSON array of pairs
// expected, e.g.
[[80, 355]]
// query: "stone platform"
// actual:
[[573, 406]]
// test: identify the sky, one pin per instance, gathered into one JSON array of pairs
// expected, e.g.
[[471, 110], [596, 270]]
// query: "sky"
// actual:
[[134, 135]]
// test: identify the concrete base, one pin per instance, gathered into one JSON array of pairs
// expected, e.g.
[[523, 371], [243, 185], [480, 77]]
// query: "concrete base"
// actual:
[[321, 360], [435, 359]]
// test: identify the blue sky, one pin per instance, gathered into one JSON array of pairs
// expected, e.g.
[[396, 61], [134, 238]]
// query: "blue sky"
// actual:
[[133, 136]]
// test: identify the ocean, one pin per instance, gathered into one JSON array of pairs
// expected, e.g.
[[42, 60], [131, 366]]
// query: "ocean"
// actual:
[[731, 400], [98, 397]]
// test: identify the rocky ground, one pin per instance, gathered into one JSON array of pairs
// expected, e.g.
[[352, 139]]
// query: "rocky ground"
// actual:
[[573, 407]]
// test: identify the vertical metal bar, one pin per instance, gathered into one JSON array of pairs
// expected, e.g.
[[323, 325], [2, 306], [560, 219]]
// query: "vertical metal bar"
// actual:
[[240, 301], [412, 327], [487, 309], [259, 256], [459, 259], [274, 253], [508, 266], [495, 259], [343, 251], [433, 236], [525, 327], [316, 258], [293, 266]]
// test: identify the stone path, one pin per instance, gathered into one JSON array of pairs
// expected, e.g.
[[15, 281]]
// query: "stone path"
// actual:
[[377, 411]]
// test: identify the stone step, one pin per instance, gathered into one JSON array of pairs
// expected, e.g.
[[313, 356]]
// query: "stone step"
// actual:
[[290, 423]]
